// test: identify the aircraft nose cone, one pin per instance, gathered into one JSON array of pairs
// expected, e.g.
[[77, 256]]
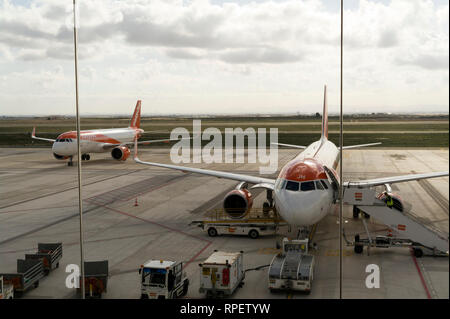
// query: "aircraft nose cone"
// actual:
[[296, 208]]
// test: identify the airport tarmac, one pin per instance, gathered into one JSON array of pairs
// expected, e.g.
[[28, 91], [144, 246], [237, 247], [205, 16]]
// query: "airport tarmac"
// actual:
[[39, 203]]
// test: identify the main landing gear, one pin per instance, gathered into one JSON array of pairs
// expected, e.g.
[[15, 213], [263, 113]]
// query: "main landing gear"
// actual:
[[84, 157], [268, 205]]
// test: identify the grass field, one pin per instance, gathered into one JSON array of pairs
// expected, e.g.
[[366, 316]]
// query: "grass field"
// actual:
[[403, 132]]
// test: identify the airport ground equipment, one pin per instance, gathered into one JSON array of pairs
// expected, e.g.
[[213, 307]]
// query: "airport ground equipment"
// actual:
[[163, 279], [95, 278], [6, 290], [382, 241], [293, 267], [422, 237], [222, 273], [29, 271], [49, 253], [258, 222]]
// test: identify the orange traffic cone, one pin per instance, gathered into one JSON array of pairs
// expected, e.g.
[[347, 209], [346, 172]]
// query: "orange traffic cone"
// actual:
[[135, 202]]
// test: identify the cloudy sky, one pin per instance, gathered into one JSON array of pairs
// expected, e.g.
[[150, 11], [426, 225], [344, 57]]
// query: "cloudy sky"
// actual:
[[214, 56]]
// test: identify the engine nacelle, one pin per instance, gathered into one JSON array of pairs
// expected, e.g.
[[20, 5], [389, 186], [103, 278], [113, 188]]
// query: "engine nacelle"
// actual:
[[60, 157], [120, 153], [398, 202], [237, 203]]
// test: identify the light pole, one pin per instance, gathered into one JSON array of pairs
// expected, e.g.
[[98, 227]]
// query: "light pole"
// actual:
[[80, 202]]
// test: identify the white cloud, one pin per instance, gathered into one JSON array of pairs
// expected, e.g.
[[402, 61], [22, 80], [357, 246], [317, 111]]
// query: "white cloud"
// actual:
[[198, 54]]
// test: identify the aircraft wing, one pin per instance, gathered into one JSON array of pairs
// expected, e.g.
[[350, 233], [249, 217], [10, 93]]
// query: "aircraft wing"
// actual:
[[218, 174], [344, 147], [167, 140], [393, 179], [359, 145], [33, 135], [290, 145]]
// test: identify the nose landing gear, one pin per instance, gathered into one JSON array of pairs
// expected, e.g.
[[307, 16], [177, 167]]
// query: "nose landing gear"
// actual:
[[70, 162], [268, 205]]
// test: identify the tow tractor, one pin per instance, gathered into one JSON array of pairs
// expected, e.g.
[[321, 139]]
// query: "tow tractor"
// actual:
[[163, 279], [6, 290], [292, 268]]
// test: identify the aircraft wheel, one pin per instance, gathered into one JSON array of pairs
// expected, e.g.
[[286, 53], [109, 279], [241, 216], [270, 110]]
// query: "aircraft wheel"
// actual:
[[359, 249], [88, 157], [418, 252], [355, 212], [212, 232], [253, 234]]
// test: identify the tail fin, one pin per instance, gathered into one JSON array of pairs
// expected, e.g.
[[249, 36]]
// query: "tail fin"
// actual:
[[136, 119], [325, 115]]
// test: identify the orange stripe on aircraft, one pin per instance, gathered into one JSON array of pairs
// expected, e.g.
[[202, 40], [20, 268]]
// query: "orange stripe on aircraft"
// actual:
[[90, 136]]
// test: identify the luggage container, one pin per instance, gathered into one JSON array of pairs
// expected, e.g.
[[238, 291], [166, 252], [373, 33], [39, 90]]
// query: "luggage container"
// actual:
[[222, 273], [29, 271], [50, 253], [6, 290], [95, 278]]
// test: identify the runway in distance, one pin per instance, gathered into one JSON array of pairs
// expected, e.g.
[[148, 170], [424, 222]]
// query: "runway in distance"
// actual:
[[115, 140], [306, 187]]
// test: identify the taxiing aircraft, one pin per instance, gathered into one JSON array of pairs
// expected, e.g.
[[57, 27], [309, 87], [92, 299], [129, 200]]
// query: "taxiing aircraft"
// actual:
[[306, 187], [115, 140]]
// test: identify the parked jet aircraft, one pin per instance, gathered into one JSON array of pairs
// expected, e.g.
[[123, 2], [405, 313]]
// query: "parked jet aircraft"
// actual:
[[306, 187], [116, 140]]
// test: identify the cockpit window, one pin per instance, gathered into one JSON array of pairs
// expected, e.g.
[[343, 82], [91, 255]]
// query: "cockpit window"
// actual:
[[292, 186], [324, 184], [319, 185], [307, 186]]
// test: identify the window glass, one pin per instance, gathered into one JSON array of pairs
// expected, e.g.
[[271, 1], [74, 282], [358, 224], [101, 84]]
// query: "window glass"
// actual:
[[319, 185], [324, 184], [308, 186], [292, 186]]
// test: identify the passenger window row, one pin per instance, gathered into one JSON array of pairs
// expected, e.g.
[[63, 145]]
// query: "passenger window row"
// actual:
[[64, 140]]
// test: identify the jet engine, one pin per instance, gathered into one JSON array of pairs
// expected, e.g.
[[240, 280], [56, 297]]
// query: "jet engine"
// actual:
[[398, 202], [120, 153], [60, 157], [237, 203]]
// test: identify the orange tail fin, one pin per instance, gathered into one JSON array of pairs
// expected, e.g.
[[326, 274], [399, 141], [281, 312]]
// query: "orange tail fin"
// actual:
[[136, 119]]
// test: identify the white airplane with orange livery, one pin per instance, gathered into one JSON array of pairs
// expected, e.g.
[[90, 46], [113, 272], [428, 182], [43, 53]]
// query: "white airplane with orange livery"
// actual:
[[116, 140], [305, 190]]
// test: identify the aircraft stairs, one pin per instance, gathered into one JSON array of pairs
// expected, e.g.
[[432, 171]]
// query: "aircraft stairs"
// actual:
[[406, 224]]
